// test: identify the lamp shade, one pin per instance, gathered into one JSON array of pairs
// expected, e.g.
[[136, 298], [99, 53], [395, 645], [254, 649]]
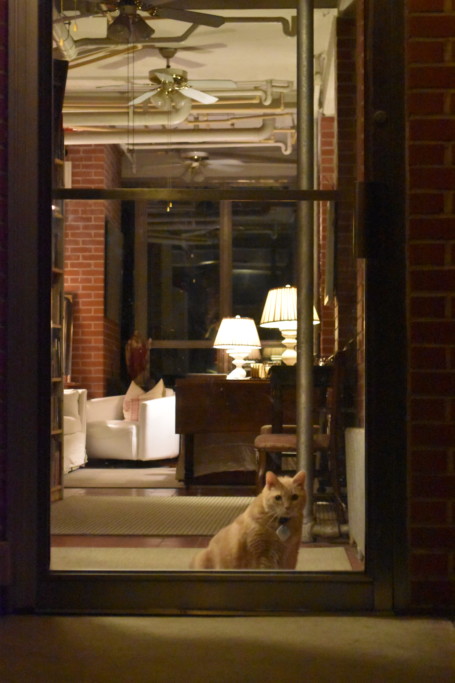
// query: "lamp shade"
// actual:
[[237, 333], [280, 309]]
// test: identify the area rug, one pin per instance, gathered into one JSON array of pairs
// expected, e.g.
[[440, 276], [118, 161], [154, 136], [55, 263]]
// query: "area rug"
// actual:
[[122, 477], [144, 516], [162, 559]]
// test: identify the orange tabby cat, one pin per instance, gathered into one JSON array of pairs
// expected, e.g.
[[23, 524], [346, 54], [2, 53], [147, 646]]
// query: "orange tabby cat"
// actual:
[[266, 535]]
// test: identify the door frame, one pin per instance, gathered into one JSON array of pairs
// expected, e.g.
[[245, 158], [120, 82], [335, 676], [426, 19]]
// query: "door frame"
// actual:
[[383, 586]]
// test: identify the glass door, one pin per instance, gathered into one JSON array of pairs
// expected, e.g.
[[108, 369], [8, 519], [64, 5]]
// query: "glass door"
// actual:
[[177, 591]]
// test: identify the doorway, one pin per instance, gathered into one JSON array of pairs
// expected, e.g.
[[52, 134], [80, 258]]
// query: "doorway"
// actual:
[[200, 592]]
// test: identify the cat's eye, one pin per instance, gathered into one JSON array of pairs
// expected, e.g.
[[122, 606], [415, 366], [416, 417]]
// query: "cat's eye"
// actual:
[[277, 497], [294, 496]]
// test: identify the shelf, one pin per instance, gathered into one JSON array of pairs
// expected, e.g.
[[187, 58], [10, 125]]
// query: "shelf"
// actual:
[[56, 350]]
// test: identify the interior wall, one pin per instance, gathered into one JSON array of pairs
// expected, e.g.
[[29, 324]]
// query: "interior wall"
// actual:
[[345, 266], [360, 177], [96, 337], [327, 172]]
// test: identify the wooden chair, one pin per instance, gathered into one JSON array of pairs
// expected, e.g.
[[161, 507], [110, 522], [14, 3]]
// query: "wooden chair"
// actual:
[[279, 440]]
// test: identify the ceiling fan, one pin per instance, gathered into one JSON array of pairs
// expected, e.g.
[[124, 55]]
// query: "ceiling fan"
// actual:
[[130, 26], [197, 162], [171, 84], [193, 165]]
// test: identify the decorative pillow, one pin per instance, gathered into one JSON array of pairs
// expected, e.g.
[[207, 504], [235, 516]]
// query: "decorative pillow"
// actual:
[[134, 397], [71, 403], [134, 391], [157, 391]]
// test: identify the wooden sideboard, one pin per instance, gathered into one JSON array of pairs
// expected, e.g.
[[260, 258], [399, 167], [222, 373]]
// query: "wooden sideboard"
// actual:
[[209, 404]]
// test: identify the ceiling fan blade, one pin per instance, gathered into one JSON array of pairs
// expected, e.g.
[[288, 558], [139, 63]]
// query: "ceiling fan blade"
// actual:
[[142, 98], [198, 95], [220, 163], [185, 15], [214, 84]]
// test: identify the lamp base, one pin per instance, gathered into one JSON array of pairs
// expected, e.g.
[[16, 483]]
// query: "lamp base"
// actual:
[[238, 359], [289, 355], [237, 373]]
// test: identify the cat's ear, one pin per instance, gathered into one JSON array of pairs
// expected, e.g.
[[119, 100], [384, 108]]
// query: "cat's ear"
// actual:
[[299, 478], [270, 479]]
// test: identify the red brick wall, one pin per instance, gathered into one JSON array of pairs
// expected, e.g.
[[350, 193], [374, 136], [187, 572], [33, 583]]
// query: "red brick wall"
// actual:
[[96, 340], [327, 170], [430, 53], [345, 302], [360, 176]]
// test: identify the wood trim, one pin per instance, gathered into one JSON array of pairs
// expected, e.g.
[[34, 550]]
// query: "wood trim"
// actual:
[[137, 593], [386, 361]]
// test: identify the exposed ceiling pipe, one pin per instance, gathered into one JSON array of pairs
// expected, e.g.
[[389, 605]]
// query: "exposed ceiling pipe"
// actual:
[[122, 118], [285, 147], [140, 118], [264, 91], [167, 136], [107, 42], [289, 27], [265, 96]]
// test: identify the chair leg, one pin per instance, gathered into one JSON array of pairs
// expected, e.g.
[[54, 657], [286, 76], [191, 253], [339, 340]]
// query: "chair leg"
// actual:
[[261, 469]]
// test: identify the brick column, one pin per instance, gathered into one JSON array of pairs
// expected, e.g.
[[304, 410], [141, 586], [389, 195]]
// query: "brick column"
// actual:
[[96, 338], [327, 170], [346, 93], [430, 53]]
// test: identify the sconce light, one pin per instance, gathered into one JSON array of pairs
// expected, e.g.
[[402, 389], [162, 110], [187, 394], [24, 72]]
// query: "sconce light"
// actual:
[[239, 336], [280, 311]]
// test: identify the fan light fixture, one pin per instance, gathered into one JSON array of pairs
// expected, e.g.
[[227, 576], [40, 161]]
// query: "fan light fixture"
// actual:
[[280, 311], [129, 27], [239, 336], [168, 99]]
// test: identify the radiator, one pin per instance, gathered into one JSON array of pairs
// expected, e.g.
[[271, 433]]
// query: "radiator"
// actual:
[[355, 476]]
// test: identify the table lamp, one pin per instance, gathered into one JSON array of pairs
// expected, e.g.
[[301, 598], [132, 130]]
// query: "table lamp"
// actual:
[[280, 311], [239, 336]]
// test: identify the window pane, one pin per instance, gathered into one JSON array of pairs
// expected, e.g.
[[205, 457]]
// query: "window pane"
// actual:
[[183, 269]]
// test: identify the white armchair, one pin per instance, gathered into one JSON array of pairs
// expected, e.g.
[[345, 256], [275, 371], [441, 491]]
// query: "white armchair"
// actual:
[[74, 429], [151, 437]]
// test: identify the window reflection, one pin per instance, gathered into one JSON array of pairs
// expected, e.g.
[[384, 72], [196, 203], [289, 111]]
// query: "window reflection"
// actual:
[[190, 277]]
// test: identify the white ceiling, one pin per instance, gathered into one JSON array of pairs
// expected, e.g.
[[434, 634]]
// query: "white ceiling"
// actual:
[[247, 137]]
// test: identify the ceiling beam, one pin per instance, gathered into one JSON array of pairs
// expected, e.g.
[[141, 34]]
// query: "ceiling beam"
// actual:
[[194, 194]]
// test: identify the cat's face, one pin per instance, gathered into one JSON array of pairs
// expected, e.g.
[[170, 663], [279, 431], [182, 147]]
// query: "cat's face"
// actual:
[[284, 496]]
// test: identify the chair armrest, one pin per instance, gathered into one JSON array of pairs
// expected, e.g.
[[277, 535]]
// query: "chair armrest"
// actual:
[[83, 408], [106, 408], [157, 437]]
